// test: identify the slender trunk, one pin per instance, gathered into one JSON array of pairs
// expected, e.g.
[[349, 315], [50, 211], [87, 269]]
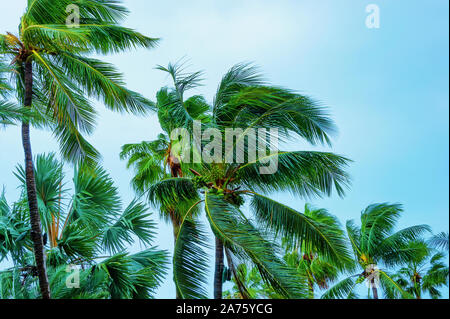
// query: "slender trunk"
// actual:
[[374, 290], [218, 274], [176, 229], [36, 232]]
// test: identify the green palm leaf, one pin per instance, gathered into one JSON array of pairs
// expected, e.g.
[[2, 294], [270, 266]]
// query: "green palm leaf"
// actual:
[[302, 173], [300, 230], [243, 239], [190, 262]]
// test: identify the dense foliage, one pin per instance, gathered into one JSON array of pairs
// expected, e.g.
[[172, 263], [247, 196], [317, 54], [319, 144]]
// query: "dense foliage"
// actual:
[[77, 240]]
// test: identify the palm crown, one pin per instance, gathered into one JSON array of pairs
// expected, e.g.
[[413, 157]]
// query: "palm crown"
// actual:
[[423, 272], [244, 100], [64, 74], [378, 247]]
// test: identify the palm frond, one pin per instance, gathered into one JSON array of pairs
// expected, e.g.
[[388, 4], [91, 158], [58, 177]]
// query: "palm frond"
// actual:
[[303, 231], [134, 221], [96, 200], [47, 11], [390, 285], [342, 290], [101, 80], [306, 174], [440, 241], [377, 224], [171, 192], [10, 113], [240, 76], [290, 113], [397, 248], [190, 262], [241, 237], [149, 268]]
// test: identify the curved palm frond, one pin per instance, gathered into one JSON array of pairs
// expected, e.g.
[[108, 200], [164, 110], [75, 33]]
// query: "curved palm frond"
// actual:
[[245, 241], [134, 221], [172, 192], [342, 290], [190, 262], [303, 231], [302, 173], [396, 249], [240, 76], [290, 113], [440, 241]]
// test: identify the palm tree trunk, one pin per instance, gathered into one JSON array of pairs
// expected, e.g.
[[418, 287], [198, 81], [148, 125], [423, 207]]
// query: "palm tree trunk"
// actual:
[[36, 232], [218, 282], [176, 229], [374, 290]]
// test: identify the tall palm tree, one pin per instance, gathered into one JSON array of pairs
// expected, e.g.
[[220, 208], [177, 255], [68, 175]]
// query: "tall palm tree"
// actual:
[[377, 247], [424, 272], [318, 271], [87, 229], [54, 75], [245, 101], [155, 160]]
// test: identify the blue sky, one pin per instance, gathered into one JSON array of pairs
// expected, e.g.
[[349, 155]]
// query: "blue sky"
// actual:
[[387, 89]]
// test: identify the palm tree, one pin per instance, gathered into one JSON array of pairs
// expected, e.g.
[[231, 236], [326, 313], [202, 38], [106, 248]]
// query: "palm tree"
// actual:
[[86, 229], [376, 244], [318, 271], [155, 160], [245, 101], [424, 272], [54, 74]]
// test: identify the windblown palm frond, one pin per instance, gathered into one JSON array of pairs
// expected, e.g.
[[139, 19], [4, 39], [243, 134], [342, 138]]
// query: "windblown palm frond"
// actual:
[[342, 290], [240, 76], [309, 233], [271, 107], [440, 241], [172, 192], [190, 261], [302, 173], [245, 241]]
